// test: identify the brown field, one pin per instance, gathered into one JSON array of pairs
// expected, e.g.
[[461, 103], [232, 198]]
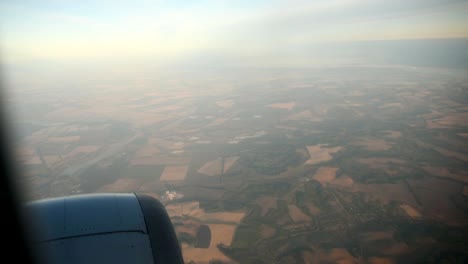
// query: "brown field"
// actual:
[[226, 217], [284, 220], [174, 173], [373, 144], [325, 175], [286, 127], [343, 180], [314, 210], [433, 125], [392, 105], [433, 114], [189, 226], [453, 141], [166, 144], [69, 139], [147, 119], [321, 109], [410, 211], [52, 160], [211, 168], [392, 134], [229, 162], [86, 149], [320, 153], [267, 231], [217, 122], [336, 255], [69, 113], [160, 160], [266, 202], [188, 208], [380, 260], [387, 192], [287, 106], [202, 193], [169, 108], [452, 154], [32, 160], [396, 249], [150, 186], [147, 151], [304, 115], [453, 119], [122, 185], [225, 103], [193, 210], [220, 234], [446, 173], [384, 164], [297, 215], [465, 135], [24, 151], [377, 235]]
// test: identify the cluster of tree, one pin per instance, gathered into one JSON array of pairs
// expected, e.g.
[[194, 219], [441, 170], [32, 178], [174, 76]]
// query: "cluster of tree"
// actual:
[[271, 159]]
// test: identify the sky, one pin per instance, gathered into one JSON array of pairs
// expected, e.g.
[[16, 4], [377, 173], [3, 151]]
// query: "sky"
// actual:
[[61, 30]]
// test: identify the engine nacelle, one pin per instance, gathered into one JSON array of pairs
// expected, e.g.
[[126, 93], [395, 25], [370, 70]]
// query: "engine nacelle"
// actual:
[[103, 228]]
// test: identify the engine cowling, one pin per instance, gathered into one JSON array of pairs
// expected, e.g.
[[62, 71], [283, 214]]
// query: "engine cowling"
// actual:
[[103, 228]]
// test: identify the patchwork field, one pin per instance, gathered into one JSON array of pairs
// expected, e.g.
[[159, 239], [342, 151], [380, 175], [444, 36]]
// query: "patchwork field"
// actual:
[[376, 235], [320, 153], [69, 139], [266, 203], [225, 103], [147, 151], [286, 106], [222, 225], [304, 115], [297, 215], [373, 144], [446, 173], [453, 119], [325, 175], [122, 185], [343, 181], [436, 204], [215, 167], [174, 173], [387, 192], [392, 134], [410, 211], [220, 234], [267, 231], [452, 154], [335, 255], [85, 149], [160, 160], [211, 168], [193, 210], [229, 162]]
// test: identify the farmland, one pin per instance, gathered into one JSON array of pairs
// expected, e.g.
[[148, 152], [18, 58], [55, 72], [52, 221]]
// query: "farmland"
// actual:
[[364, 164]]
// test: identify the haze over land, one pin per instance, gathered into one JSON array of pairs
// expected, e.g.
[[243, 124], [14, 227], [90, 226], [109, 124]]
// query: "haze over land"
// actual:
[[333, 131]]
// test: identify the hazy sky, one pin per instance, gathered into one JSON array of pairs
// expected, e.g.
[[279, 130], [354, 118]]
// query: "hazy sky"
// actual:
[[68, 30]]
